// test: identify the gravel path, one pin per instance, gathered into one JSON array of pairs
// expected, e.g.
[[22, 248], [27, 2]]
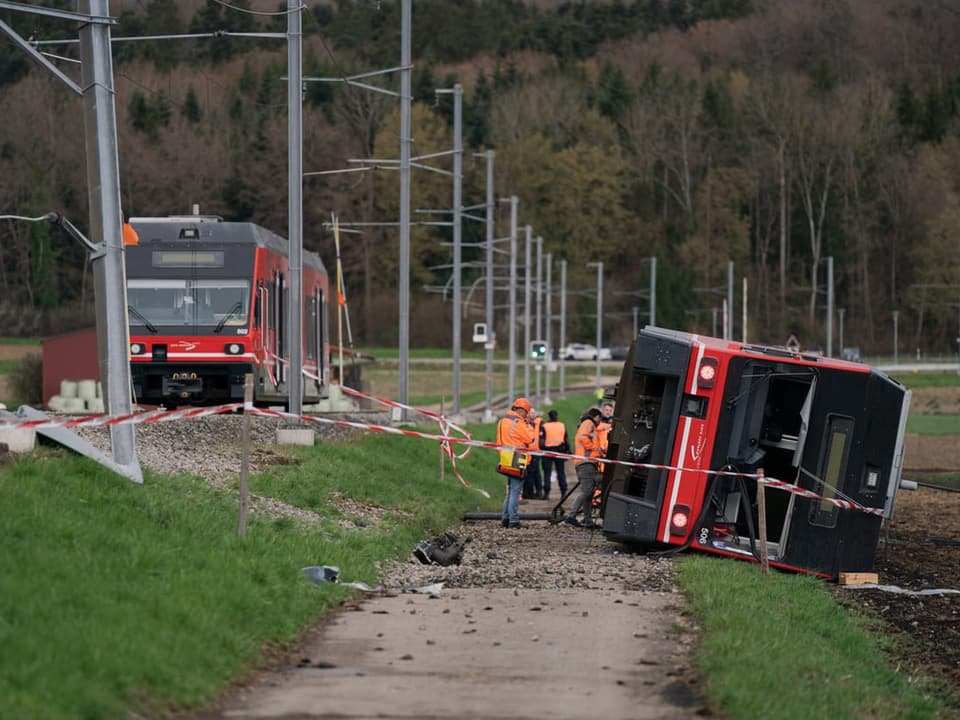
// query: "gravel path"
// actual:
[[544, 621]]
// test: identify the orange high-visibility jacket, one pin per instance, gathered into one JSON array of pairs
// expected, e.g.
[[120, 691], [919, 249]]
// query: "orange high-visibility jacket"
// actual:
[[587, 441], [515, 431], [555, 435], [538, 429], [603, 432]]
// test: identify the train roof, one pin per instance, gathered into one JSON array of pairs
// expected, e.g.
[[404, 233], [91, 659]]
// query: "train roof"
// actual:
[[770, 351], [211, 228]]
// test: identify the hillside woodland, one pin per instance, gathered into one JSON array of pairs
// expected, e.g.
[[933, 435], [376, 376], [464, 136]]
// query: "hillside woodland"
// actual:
[[771, 134]]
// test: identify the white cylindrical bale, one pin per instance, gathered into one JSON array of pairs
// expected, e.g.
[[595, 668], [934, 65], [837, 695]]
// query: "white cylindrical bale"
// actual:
[[86, 389], [74, 405]]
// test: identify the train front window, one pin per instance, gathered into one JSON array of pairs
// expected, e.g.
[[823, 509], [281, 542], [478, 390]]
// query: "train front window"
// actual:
[[204, 303]]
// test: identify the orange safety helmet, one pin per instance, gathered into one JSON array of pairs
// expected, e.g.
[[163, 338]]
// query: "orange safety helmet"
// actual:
[[521, 403]]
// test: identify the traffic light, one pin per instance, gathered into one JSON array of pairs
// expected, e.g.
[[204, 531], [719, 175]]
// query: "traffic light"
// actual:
[[538, 350]]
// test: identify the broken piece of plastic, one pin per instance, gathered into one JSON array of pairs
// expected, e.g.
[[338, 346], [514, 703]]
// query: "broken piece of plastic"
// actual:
[[322, 573]]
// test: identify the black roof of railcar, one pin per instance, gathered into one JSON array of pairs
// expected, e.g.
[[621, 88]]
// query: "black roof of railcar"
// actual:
[[211, 228]]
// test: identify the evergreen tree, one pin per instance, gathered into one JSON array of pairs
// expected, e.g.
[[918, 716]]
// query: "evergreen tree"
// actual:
[[191, 106]]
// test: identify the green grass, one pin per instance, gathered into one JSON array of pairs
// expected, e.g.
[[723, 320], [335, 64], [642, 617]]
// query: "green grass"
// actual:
[[393, 353], [8, 366], [934, 424], [117, 598], [927, 379], [428, 383], [777, 646], [19, 341], [949, 480]]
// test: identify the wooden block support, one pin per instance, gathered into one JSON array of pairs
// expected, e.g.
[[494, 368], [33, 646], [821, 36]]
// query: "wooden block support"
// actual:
[[857, 578]]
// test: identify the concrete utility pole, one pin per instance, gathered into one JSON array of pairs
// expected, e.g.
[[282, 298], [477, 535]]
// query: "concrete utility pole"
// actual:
[[106, 219], [728, 313], [599, 266], [457, 330], [295, 204], [106, 224], [896, 340], [512, 374], [653, 294], [488, 412], [538, 302], [563, 323], [830, 306], [405, 140], [549, 322], [526, 311]]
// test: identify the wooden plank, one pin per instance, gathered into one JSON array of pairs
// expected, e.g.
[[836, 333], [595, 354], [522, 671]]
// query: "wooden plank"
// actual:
[[857, 578]]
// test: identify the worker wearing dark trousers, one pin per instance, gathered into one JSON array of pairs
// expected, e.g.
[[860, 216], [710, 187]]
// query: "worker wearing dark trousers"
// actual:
[[514, 431], [532, 481], [555, 439], [587, 447]]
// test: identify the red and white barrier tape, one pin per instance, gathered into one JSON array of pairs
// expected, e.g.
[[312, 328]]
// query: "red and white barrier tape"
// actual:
[[444, 423], [191, 413]]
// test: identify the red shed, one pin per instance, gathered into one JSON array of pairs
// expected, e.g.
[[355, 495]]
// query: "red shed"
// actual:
[[70, 356]]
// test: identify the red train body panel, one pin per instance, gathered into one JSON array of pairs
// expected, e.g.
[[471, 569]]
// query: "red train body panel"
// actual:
[[694, 404], [207, 303]]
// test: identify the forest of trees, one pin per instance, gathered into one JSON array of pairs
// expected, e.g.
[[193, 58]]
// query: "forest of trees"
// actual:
[[771, 134]]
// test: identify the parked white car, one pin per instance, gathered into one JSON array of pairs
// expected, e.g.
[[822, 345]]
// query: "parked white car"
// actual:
[[582, 351]]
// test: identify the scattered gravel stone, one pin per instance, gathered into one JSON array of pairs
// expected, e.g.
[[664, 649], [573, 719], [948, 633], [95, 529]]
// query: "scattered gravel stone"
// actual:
[[210, 448], [539, 556]]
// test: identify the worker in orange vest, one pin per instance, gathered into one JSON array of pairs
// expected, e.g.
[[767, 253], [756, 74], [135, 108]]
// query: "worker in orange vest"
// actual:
[[555, 439], [603, 429], [532, 483], [587, 448], [515, 430]]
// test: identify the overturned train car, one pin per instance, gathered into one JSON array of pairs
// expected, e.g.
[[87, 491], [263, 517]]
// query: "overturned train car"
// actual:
[[688, 406]]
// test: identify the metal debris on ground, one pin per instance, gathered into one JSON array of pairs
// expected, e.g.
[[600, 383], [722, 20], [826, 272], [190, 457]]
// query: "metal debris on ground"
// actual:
[[445, 549]]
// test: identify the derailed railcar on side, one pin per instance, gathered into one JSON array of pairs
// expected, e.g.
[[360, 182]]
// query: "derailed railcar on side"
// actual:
[[208, 303], [688, 406]]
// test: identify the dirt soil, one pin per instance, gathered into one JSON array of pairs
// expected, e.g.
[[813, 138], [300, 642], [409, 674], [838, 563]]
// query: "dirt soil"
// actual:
[[923, 552], [18, 352]]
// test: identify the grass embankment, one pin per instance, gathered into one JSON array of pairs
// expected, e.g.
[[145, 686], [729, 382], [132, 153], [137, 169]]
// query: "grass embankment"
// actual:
[[778, 646], [118, 600]]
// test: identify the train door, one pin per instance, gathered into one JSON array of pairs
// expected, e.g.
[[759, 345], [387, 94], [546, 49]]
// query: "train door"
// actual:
[[278, 350], [311, 355], [769, 431], [320, 339]]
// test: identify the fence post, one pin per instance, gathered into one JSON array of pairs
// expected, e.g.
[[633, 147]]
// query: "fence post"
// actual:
[[245, 456], [762, 521]]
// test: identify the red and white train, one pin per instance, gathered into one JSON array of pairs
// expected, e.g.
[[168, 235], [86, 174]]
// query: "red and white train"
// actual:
[[208, 303]]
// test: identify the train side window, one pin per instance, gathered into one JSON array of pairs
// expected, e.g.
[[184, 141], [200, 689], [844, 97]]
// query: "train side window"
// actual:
[[310, 313], [321, 315], [258, 307], [833, 467]]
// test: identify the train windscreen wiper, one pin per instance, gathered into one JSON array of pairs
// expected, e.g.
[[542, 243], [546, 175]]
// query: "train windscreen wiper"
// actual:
[[233, 311], [149, 325]]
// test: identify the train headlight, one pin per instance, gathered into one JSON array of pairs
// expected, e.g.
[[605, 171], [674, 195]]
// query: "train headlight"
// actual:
[[233, 348], [679, 520], [707, 373], [137, 348]]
